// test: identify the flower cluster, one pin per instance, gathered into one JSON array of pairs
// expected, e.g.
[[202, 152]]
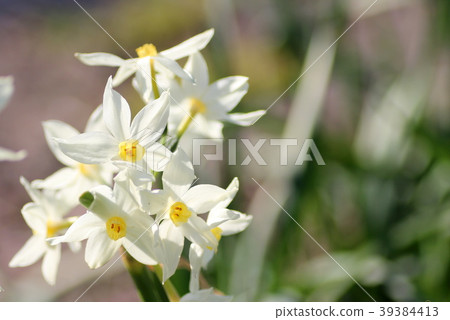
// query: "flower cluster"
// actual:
[[132, 175]]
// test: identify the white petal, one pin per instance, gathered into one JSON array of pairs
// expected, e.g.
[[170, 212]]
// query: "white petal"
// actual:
[[50, 264], [178, 174], [232, 189], [135, 182], [197, 231], [81, 229], [6, 90], [61, 130], [219, 215], [204, 197], [104, 204], [125, 197], [99, 59], [9, 155], [178, 110], [100, 249], [173, 242], [35, 217], [195, 260], [90, 147], [31, 252], [95, 121], [188, 47], [152, 119], [126, 70], [157, 156], [116, 113], [196, 67], [34, 194], [58, 180], [236, 225], [206, 128], [155, 201], [139, 241], [226, 93], [173, 67], [207, 257], [141, 85], [245, 119]]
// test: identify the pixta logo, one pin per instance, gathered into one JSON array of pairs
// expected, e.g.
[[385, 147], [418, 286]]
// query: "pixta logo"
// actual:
[[291, 151]]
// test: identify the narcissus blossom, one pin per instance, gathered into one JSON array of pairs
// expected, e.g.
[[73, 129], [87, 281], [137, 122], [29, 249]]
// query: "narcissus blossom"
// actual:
[[76, 178], [222, 222], [45, 218], [209, 104], [126, 142], [147, 54], [178, 206], [113, 220]]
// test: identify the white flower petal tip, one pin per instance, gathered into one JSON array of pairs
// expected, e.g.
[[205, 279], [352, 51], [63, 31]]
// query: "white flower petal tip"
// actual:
[[246, 119], [55, 241], [9, 155], [205, 295], [99, 59]]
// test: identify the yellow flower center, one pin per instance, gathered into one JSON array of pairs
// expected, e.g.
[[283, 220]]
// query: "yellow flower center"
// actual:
[[52, 228], [147, 50], [116, 228], [179, 213], [131, 151], [196, 106], [217, 232], [88, 170]]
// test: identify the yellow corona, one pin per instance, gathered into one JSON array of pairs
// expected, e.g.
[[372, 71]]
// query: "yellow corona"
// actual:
[[179, 213], [116, 228], [131, 151], [146, 50]]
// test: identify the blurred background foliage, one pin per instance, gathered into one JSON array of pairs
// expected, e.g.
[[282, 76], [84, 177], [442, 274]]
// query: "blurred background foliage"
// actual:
[[376, 104]]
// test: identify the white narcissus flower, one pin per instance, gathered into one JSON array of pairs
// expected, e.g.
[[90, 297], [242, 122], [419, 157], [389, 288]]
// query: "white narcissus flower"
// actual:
[[45, 218], [222, 222], [113, 220], [163, 61], [178, 206], [209, 104], [76, 177], [6, 91], [205, 295], [125, 143]]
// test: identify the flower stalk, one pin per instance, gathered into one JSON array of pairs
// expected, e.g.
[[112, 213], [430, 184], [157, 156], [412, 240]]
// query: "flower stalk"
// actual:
[[147, 282], [153, 76], [168, 286]]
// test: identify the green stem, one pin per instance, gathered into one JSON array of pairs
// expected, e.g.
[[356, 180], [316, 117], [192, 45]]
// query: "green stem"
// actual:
[[182, 127], [147, 282], [153, 76], [170, 289]]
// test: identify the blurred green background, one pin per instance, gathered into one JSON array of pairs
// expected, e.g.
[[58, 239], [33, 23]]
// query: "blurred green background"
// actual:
[[376, 104]]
